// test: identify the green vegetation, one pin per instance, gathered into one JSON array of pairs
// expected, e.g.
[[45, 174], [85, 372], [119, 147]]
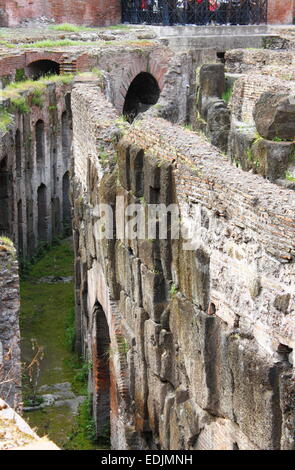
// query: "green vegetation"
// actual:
[[7, 44], [173, 290], [20, 75], [277, 139], [47, 315], [289, 176], [85, 432], [226, 96], [68, 27], [258, 137], [119, 26], [5, 120], [37, 98], [52, 43], [251, 158], [7, 245], [19, 104]]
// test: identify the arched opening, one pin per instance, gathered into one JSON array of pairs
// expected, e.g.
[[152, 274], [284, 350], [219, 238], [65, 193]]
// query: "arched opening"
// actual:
[[101, 373], [20, 236], [41, 68], [42, 214], [66, 136], [66, 203], [5, 199], [143, 92], [55, 216], [18, 153], [30, 227], [40, 142]]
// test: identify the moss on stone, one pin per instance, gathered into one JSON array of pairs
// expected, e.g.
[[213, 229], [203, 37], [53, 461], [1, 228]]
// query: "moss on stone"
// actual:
[[6, 120]]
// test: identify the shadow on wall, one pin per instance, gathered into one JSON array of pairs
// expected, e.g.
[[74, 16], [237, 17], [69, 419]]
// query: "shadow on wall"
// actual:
[[143, 93], [5, 197], [101, 372]]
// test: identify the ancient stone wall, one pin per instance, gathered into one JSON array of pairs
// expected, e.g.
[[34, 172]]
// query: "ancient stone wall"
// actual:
[[201, 332], [10, 360], [35, 157], [280, 11], [85, 12]]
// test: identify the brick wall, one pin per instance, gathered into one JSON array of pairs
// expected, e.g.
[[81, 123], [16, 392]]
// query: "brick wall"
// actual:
[[280, 11], [88, 12]]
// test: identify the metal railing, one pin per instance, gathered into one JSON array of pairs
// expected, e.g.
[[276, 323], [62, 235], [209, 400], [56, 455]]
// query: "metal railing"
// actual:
[[196, 12]]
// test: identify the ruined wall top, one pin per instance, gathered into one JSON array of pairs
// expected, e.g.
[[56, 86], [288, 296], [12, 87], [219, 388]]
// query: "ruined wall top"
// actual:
[[10, 366]]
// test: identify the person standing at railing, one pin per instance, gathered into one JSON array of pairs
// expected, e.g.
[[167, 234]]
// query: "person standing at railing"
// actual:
[[201, 12], [164, 7], [222, 12], [212, 10]]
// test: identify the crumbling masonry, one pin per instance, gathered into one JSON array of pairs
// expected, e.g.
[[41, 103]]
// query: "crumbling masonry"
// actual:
[[192, 345]]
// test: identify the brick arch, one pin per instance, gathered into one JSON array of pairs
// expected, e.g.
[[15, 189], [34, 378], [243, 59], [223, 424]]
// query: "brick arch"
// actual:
[[35, 56], [152, 66]]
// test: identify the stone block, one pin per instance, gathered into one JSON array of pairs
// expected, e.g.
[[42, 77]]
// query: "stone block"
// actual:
[[256, 398], [241, 138], [153, 286], [136, 173], [271, 159], [194, 273], [218, 123], [274, 116]]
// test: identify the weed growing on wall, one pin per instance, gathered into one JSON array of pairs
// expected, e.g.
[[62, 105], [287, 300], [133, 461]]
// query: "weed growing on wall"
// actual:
[[6, 120]]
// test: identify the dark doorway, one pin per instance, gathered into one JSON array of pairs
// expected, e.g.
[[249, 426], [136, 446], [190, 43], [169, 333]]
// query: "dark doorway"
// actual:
[[66, 133], [40, 143], [101, 373], [5, 197], [41, 68], [18, 153], [143, 92], [42, 214], [66, 204], [20, 236]]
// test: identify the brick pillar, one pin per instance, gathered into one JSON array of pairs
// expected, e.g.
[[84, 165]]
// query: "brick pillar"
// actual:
[[280, 11]]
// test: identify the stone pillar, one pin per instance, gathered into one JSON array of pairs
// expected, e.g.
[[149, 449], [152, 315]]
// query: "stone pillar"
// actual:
[[280, 11], [10, 361]]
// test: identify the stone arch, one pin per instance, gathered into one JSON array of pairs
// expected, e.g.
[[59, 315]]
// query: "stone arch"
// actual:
[[66, 203], [42, 213], [43, 67], [156, 65], [18, 153], [142, 93], [40, 142], [101, 371]]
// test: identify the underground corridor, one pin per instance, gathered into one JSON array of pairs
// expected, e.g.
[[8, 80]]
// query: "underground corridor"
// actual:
[[142, 93], [42, 68]]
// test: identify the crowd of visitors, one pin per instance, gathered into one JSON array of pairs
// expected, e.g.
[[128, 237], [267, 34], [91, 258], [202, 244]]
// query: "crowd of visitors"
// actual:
[[200, 12]]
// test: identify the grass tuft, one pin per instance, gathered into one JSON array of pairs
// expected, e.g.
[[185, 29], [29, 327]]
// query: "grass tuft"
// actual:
[[5, 120], [67, 27]]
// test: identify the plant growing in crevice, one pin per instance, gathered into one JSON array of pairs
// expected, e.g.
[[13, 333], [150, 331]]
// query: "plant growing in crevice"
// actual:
[[32, 373], [173, 290], [226, 96], [19, 104]]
